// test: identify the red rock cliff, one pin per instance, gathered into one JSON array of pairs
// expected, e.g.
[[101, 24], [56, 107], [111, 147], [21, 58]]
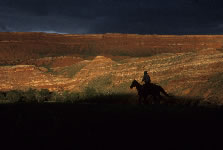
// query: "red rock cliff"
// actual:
[[18, 47]]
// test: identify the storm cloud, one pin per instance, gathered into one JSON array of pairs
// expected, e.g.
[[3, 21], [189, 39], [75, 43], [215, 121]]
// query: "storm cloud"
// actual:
[[113, 16]]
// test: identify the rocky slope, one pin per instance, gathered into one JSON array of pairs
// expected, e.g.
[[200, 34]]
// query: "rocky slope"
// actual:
[[189, 65], [192, 74], [19, 48]]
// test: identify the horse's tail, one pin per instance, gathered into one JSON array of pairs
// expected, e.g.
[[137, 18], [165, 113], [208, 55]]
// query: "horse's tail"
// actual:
[[164, 92]]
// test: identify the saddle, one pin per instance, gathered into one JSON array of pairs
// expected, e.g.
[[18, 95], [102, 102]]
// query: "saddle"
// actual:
[[149, 86]]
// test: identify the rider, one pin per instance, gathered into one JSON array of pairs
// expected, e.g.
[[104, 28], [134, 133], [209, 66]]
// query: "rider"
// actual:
[[146, 79]]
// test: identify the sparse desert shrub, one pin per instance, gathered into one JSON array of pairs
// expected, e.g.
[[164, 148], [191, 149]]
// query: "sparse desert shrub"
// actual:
[[74, 69], [39, 97], [55, 97], [70, 71], [90, 92], [217, 81], [70, 96], [101, 83], [13, 96], [214, 100], [43, 95], [2, 96], [30, 95], [65, 95], [123, 87], [74, 96]]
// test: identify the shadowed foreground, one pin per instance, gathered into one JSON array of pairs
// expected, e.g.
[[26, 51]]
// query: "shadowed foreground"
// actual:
[[106, 126]]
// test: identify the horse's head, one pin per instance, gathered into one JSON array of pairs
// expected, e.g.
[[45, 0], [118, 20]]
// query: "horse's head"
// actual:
[[134, 83]]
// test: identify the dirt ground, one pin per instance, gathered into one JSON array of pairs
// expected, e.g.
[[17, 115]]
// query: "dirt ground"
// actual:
[[63, 126]]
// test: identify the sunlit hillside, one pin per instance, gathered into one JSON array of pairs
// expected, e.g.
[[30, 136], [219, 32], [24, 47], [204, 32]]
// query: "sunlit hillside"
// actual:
[[21, 48], [191, 74]]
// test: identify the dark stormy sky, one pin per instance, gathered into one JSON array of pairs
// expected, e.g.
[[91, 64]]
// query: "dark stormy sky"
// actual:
[[113, 16]]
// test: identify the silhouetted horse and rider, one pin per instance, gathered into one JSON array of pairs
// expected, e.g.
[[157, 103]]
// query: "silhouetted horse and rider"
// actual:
[[148, 89]]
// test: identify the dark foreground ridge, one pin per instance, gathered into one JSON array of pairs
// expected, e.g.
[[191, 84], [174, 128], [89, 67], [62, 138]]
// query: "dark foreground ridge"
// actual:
[[111, 126]]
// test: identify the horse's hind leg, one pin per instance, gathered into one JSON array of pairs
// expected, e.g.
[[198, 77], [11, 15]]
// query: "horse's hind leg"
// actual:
[[140, 100], [150, 100], [157, 99], [145, 100]]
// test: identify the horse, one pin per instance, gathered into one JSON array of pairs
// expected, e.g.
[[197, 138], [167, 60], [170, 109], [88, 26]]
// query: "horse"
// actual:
[[153, 90]]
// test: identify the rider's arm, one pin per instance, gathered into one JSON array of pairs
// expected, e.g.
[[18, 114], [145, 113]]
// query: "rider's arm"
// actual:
[[149, 79], [143, 79]]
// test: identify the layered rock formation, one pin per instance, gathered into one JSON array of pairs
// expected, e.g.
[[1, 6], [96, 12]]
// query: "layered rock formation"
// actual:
[[181, 74], [18, 48], [183, 65]]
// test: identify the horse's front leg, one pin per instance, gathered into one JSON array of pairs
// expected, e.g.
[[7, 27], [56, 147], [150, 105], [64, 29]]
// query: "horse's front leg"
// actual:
[[140, 99], [151, 100], [144, 99]]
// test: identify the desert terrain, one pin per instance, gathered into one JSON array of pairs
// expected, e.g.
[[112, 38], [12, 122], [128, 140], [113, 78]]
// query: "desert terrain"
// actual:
[[186, 65]]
